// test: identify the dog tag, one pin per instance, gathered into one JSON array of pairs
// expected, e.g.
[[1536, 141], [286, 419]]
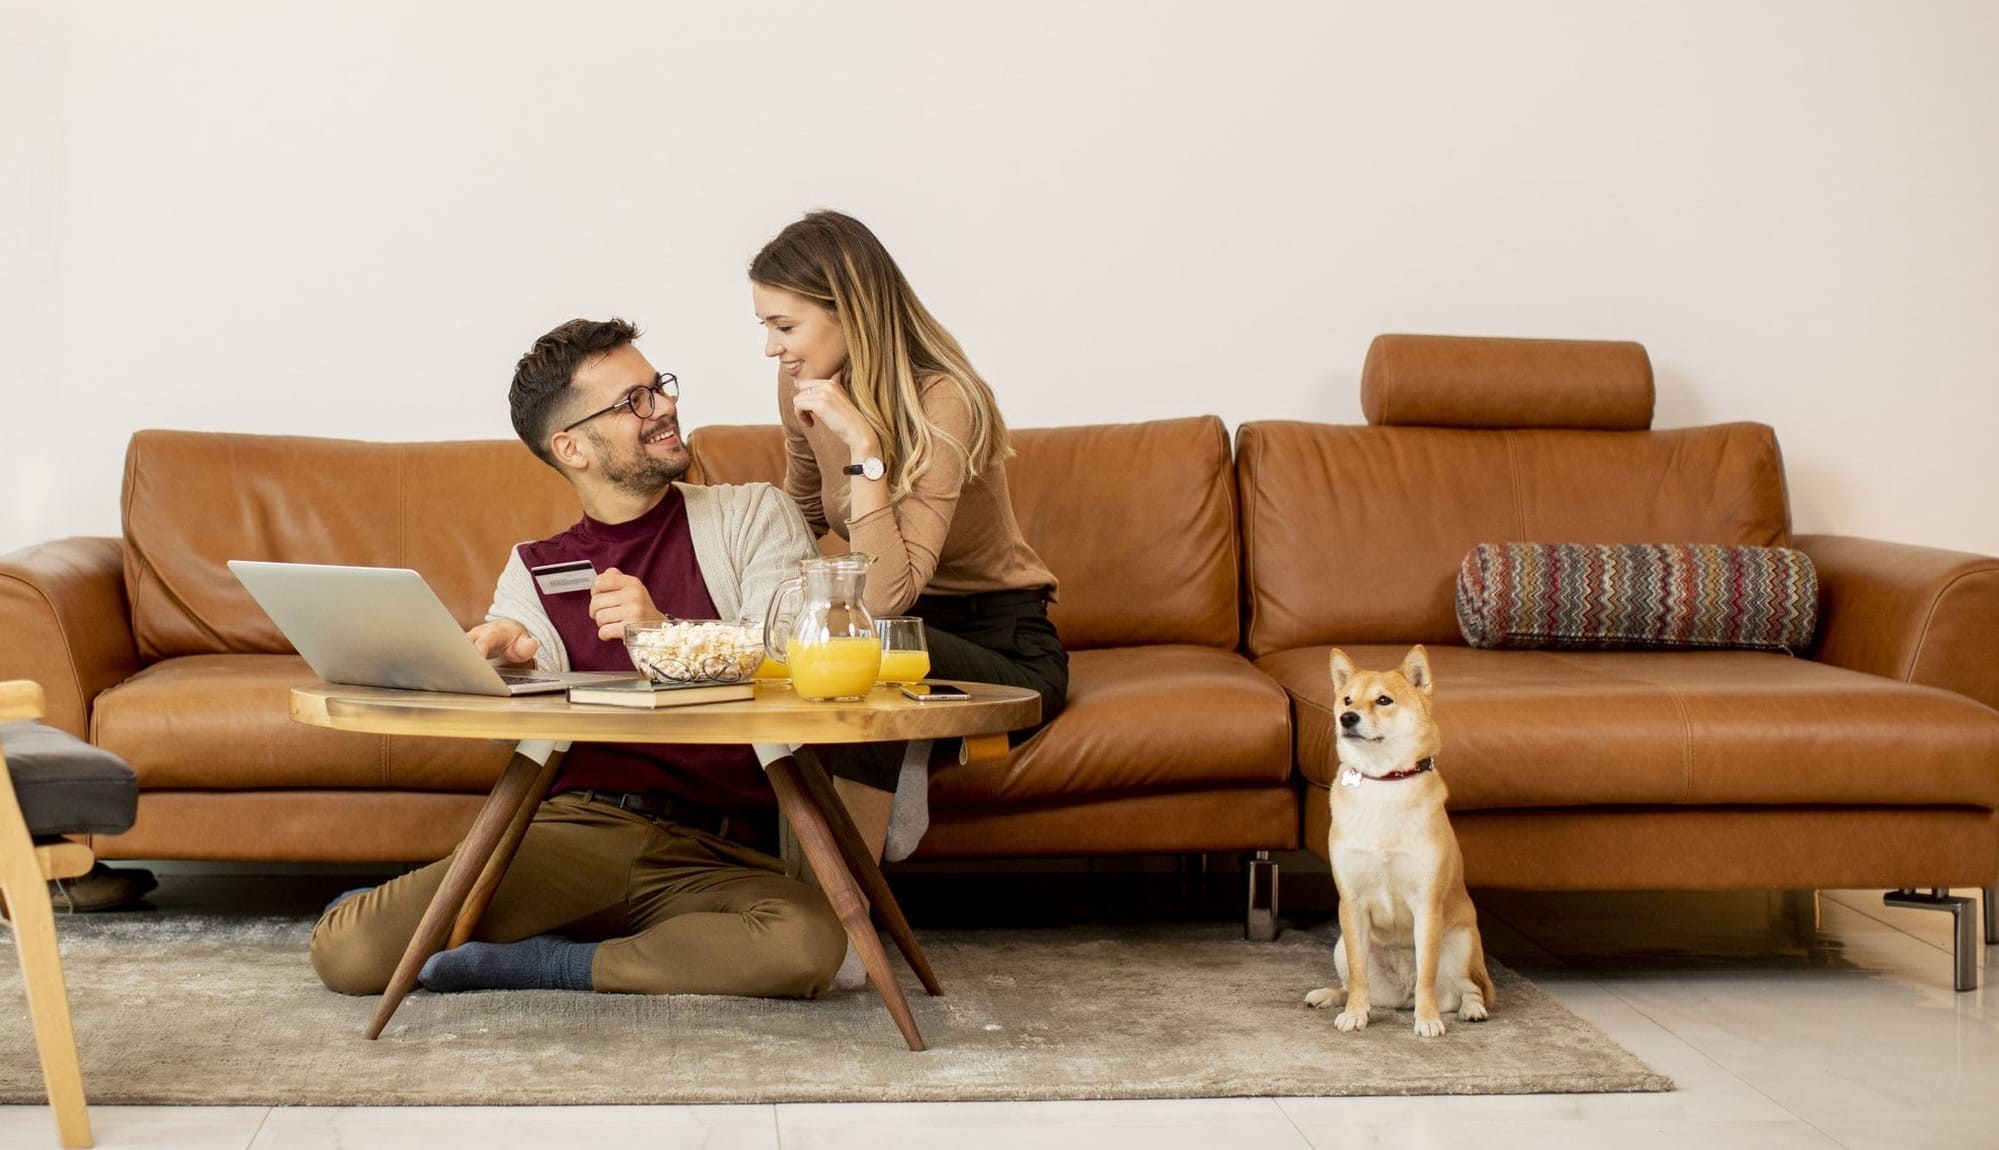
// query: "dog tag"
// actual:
[[1349, 777], [557, 578]]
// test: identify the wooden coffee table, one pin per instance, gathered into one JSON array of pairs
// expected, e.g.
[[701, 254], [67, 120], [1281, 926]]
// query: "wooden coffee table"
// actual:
[[847, 871]]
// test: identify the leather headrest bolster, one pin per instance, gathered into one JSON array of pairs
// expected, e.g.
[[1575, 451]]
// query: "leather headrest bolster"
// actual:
[[1483, 382]]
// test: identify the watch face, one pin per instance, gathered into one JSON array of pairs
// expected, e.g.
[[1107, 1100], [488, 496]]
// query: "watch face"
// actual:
[[872, 468]]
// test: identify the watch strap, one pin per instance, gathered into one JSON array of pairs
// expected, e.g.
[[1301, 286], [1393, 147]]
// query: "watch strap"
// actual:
[[870, 468]]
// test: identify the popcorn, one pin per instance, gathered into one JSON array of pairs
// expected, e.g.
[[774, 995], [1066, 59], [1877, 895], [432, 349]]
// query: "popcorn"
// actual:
[[685, 651]]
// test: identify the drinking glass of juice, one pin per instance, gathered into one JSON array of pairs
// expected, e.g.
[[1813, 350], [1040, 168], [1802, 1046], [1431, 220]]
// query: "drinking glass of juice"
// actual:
[[905, 652]]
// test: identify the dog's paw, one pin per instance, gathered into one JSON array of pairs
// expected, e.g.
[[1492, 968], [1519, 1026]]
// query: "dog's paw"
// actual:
[[1326, 996], [1471, 1010], [1429, 1028], [1349, 1021]]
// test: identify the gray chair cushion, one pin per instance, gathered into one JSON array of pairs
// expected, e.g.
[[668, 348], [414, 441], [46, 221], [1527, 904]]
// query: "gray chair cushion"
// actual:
[[66, 786]]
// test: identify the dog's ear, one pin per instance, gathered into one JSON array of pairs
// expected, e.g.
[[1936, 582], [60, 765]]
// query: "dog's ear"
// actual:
[[1343, 669], [1416, 668]]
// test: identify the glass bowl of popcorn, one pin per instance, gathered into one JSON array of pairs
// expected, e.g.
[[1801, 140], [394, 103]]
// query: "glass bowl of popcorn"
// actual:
[[695, 650]]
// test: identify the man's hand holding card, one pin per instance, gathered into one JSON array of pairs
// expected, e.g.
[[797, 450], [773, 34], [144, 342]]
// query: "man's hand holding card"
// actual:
[[617, 599]]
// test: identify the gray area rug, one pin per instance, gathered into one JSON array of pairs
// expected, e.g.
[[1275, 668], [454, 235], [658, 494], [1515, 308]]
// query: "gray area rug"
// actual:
[[192, 1009]]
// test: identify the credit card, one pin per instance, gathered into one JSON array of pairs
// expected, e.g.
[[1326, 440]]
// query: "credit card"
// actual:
[[558, 578]]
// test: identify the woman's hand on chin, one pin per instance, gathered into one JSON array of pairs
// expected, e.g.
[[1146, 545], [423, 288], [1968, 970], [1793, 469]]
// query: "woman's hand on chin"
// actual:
[[826, 401]]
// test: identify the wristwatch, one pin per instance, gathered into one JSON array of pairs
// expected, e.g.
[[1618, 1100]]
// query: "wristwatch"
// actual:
[[869, 468]]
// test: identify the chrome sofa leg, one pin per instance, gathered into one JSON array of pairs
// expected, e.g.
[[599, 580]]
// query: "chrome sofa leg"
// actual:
[[1801, 907], [1260, 920], [1964, 938]]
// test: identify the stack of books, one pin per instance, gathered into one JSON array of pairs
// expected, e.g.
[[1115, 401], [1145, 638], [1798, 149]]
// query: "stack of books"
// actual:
[[646, 693]]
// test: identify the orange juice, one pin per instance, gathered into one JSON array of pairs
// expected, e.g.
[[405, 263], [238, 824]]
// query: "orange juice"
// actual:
[[903, 666], [834, 668], [771, 669]]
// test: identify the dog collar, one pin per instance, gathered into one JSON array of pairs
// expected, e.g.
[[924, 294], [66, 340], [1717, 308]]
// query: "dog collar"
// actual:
[[1350, 777]]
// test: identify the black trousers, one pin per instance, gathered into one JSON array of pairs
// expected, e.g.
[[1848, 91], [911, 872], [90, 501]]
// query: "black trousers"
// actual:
[[1002, 637]]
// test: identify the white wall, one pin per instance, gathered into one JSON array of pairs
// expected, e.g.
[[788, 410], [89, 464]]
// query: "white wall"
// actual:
[[350, 220]]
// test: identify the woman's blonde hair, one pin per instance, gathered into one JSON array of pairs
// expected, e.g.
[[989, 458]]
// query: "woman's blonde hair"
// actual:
[[893, 343]]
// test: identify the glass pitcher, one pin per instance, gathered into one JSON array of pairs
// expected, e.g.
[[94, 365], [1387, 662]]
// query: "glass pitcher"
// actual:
[[829, 639]]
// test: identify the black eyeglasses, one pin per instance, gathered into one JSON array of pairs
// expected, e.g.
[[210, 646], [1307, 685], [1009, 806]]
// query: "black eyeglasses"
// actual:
[[642, 400]]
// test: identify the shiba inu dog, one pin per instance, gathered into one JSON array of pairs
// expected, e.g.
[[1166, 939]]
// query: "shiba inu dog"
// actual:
[[1408, 933]]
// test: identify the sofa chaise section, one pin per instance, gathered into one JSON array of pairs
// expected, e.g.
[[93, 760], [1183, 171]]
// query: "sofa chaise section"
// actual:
[[1870, 760]]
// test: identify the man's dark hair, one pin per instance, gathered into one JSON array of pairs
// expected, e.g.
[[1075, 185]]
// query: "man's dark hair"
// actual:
[[540, 394]]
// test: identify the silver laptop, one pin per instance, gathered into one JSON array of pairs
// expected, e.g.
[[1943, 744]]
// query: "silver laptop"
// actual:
[[385, 627]]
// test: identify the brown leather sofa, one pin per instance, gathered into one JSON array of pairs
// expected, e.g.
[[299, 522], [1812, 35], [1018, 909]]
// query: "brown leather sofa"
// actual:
[[1873, 762], [1172, 740]]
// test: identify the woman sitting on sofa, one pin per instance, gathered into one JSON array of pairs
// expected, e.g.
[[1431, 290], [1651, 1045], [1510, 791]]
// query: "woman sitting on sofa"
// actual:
[[895, 443]]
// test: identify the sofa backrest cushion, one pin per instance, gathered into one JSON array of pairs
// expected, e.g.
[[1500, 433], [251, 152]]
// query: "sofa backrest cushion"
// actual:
[[1355, 534], [737, 453], [1488, 382], [193, 501], [1137, 520]]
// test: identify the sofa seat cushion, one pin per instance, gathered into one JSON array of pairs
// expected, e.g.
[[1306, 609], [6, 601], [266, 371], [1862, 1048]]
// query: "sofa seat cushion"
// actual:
[[1565, 729], [1141, 720], [223, 722]]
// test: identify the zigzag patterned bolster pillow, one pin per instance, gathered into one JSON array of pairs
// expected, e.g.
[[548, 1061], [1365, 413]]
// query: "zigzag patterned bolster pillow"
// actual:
[[1637, 595]]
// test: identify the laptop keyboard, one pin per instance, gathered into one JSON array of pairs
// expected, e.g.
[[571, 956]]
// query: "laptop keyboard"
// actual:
[[522, 677]]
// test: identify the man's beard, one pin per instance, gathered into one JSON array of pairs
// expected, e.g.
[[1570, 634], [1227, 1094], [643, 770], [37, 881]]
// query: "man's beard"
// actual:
[[643, 476]]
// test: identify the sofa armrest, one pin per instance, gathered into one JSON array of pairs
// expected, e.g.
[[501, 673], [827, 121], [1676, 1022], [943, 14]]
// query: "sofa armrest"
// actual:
[[66, 624], [1918, 614]]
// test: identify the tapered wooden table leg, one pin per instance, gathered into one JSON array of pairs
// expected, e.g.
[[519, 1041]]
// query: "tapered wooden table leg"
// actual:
[[861, 863], [812, 823], [522, 778], [503, 856]]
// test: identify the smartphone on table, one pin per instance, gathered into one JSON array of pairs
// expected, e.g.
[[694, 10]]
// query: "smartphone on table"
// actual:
[[934, 692]]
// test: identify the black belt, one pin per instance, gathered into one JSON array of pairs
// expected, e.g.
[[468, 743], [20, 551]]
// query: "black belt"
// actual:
[[982, 602], [661, 807]]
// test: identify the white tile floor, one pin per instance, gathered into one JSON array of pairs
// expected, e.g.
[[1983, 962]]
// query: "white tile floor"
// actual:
[[1779, 1035]]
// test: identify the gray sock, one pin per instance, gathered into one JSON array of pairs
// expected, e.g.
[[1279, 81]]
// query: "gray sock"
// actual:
[[909, 818], [544, 962]]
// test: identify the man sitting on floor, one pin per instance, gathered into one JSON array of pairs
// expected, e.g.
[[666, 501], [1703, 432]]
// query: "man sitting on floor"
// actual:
[[650, 868]]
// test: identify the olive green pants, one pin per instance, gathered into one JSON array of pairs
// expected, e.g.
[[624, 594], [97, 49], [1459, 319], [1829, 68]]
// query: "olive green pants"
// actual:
[[675, 911]]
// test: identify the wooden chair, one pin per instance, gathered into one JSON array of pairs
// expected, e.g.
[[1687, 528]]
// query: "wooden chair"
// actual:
[[66, 787]]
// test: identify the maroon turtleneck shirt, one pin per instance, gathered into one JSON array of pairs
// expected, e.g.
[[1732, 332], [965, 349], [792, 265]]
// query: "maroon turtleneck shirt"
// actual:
[[658, 549]]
